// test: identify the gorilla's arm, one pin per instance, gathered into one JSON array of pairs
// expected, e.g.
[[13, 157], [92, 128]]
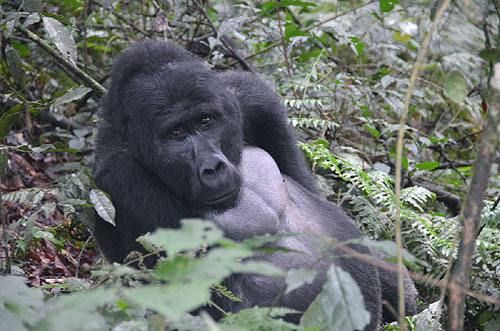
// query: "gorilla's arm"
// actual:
[[265, 125]]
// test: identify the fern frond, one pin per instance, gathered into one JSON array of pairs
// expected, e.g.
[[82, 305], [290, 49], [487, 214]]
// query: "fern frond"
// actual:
[[316, 123], [222, 290], [30, 196], [416, 196], [300, 87], [299, 103]]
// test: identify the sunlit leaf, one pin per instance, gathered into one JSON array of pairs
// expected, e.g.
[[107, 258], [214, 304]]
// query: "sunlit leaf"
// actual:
[[61, 37], [387, 5], [427, 165], [72, 95], [103, 205], [192, 233], [455, 86]]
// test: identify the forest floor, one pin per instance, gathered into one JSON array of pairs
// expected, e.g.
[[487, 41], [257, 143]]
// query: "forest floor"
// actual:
[[46, 261]]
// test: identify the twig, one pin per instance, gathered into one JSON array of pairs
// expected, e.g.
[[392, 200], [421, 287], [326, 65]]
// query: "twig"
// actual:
[[471, 215], [80, 255], [224, 42], [399, 158], [2, 216], [99, 90], [283, 44]]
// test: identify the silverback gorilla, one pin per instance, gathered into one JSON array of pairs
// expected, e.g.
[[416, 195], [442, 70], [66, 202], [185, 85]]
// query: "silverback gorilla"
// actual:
[[178, 140]]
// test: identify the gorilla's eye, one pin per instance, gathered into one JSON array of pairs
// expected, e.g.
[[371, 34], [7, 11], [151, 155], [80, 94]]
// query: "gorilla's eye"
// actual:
[[206, 120], [176, 134]]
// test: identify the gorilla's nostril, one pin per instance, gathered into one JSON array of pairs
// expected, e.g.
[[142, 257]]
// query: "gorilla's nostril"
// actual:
[[212, 172], [220, 167], [208, 173]]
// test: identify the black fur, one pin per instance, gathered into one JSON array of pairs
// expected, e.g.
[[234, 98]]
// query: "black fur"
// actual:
[[169, 147]]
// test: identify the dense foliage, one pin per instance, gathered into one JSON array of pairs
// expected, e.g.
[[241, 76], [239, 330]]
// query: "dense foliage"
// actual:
[[343, 69]]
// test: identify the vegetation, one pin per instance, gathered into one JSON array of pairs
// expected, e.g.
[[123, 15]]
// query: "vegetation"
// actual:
[[377, 105]]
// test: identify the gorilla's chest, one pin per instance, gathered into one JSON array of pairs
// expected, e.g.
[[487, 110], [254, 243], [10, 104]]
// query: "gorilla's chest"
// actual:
[[262, 201]]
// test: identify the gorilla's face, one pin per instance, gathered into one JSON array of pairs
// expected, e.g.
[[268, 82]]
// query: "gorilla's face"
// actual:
[[188, 131]]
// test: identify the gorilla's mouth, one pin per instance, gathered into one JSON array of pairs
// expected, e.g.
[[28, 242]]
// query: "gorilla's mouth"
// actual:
[[226, 197]]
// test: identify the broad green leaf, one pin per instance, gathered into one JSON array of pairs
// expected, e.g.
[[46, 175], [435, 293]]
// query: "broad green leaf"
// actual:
[[15, 66], [61, 37], [78, 311], [42, 234], [455, 86], [72, 320], [103, 205], [31, 19], [8, 118], [22, 301], [342, 302], [427, 165], [314, 318], [490, 55], [403, 37], [358, 45], [493, 324], [261, 319], [218, 264], [295, 278], [387, 5], [171, 301], [192, 234], [72, 95], [375, 132]]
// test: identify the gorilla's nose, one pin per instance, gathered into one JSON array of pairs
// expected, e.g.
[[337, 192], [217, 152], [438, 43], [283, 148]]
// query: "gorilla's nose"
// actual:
[[213, 172]]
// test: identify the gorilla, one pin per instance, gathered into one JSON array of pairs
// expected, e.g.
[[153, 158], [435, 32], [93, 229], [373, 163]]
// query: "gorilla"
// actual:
[[178, 140]]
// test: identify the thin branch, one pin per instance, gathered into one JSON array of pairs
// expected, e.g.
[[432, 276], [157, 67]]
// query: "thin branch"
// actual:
[[223, 40], [3, 156], [399, 157], [473, 205], [283, 44], [99, 90]]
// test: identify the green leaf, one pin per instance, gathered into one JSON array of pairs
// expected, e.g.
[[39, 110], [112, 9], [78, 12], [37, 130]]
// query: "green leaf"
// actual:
[[192, 234], [15, 66], [375, 132], [61, 37], [490, 55], [171, 301], [340, 306], [71, 312], [31, 19], [42, 234], [358, 45], [22, 301], [387, 5], [217, 265], [261, 319], [103, 205], [72, 95], [455, 86], [45, 148], [295, 278], [427, 165]]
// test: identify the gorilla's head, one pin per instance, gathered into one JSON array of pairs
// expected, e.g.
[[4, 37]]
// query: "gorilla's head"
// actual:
[[182, 124]]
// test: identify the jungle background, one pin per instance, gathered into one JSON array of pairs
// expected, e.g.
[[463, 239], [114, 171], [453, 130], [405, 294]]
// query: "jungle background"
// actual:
[[348, 73]]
